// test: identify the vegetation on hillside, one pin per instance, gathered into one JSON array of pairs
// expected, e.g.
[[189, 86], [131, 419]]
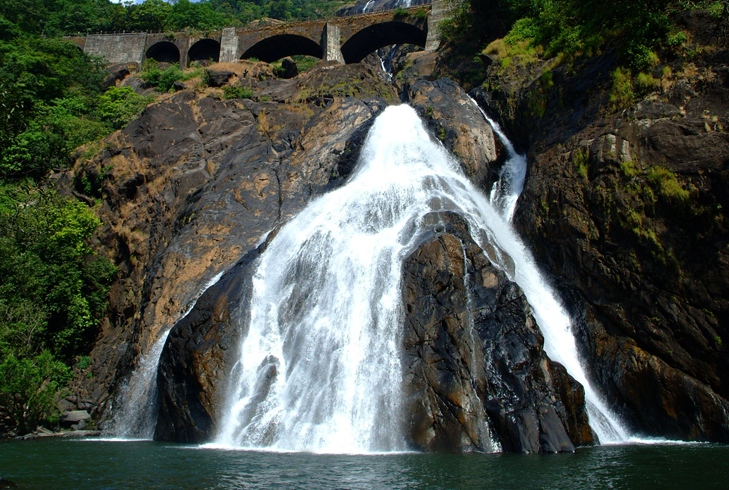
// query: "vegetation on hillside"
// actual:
[[60, 17], [640, 32], [53, 292]]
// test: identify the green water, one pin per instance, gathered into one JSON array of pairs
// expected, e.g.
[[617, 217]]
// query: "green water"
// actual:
[[89, 464]]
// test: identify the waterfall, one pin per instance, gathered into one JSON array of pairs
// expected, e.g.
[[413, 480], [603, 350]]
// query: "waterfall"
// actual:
[[554, 322], [137, 415], [319, 366]]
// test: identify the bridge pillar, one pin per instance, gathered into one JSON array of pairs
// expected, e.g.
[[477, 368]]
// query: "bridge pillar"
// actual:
[[331, 44], [229, 46], [439, 11]]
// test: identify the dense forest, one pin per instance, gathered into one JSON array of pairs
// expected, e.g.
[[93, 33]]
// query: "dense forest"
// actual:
[[53, 294]]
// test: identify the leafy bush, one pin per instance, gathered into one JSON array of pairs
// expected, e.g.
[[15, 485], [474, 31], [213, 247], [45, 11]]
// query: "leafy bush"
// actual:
[[236, 93], [54, 289], [47, 93], [162, 79], [668, 185], [621, 95], [119, 105], [400, 13], [303, 62], [29, 388]]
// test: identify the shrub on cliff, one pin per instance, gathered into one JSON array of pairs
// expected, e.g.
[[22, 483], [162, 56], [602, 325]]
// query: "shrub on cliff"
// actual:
[[119, 105]]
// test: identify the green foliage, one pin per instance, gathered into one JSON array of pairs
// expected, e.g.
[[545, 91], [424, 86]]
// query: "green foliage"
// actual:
[[581, 160], [46, 261], [163, 80], [645, 83], [400, 13], [29, 387], [571, 27], [303, 62], [119, 105], [48, 89], [668, 185], [628, 169], [621, 95], [236, 92], [52, 297]]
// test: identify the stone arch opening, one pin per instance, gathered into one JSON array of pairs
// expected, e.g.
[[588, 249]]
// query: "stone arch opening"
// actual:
[[277, 47], [204, 50], [163, 52], [378, 36]]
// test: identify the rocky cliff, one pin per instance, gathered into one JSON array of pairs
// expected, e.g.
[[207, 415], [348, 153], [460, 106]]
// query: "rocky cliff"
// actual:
[[625, 207]]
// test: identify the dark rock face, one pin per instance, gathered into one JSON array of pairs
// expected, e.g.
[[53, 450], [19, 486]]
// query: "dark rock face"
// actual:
[[459, 125], [474, 361], [627, 211], [191, 379]]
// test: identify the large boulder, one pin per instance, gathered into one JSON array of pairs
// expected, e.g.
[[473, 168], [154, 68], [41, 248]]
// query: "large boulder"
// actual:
[[476, 374]]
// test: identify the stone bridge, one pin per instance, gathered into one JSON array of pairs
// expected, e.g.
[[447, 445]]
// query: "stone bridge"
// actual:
[[343, 39]]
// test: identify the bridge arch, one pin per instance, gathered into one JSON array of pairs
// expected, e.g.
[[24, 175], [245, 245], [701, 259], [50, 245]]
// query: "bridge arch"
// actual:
[[163, 52], [378, 36], [204, 49], [276, 47]]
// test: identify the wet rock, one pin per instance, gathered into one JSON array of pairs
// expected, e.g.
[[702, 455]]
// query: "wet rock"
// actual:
[[475, 369], [80, 434], [189, 189], [267, 180], [7, 483], [267, 177], [458, 123]]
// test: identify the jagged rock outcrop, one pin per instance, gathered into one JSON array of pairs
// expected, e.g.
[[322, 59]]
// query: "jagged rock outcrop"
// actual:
[[474, 362], [459, 125], [626, 209]]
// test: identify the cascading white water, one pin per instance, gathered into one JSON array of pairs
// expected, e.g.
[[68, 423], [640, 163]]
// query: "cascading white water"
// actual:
[[507, 189], [319, 365], [137, 416], [554, 323]]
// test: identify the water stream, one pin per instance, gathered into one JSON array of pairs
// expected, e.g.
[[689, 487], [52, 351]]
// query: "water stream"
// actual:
[[137, 415], [319, 368], [554, 322]]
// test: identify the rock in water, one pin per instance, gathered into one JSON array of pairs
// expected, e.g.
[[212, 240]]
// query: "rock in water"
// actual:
[[472, 348]]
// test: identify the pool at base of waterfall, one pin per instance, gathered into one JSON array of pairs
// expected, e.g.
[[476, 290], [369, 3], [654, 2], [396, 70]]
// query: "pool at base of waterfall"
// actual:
[[104, 464]]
